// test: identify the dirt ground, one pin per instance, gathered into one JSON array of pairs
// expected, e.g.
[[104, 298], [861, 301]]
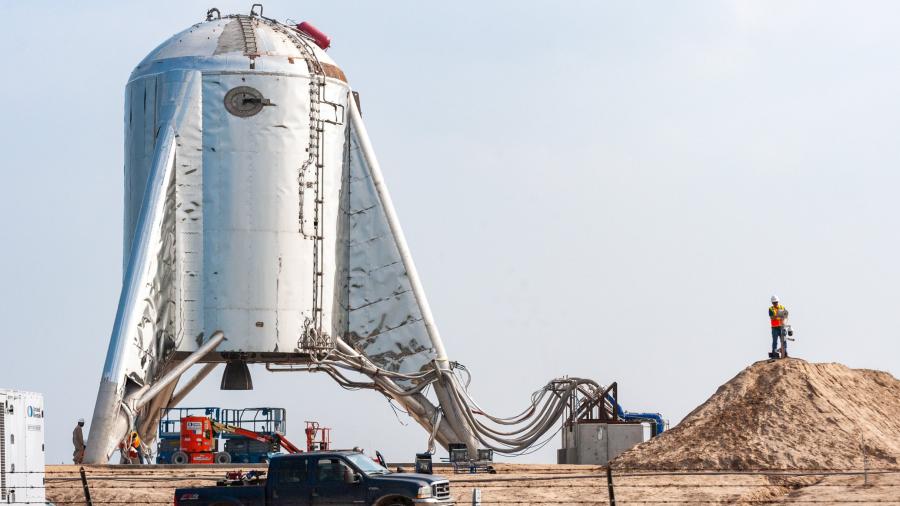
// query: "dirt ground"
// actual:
[[786, 414], [516, 484], [790, 418]]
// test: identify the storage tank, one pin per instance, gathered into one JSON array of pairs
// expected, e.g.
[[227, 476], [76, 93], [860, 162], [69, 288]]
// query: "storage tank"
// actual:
[[257, 227]]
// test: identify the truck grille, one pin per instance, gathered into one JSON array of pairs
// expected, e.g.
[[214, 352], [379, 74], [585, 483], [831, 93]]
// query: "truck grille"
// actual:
[[441, 490]]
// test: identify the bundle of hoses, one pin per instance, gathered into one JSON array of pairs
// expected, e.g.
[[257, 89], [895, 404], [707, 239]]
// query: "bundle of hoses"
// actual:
[[345, 358], [505, 435], [520, 432]]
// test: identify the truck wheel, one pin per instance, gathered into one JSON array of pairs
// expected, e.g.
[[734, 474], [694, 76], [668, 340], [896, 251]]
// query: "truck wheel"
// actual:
[[395, 501], [223, 458], [180, 458]]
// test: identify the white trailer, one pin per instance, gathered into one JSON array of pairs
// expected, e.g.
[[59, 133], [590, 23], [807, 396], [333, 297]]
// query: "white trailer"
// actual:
[[21, 447]]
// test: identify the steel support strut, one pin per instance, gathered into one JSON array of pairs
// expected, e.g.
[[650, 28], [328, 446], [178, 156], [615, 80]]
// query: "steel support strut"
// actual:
[[452, 416]]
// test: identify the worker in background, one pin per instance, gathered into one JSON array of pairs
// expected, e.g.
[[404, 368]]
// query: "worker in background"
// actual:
[[136, 444], [777, 316], [78, 442]]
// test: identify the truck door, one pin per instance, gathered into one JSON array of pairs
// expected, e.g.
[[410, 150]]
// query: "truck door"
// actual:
[[334, 483], [289, 483]]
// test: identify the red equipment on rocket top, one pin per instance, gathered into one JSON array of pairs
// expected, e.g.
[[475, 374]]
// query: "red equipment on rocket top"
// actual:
[[317, 35]]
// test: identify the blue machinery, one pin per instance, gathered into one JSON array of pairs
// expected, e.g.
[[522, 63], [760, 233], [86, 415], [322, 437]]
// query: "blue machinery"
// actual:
[[605, 408], [657, 424]]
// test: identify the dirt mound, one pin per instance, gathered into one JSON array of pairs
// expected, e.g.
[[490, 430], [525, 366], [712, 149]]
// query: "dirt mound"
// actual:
[[785, 414]]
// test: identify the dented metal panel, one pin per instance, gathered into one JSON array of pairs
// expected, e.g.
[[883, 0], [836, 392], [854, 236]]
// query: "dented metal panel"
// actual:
[[385, 321], [151, 102], [189, 223], [258, 234]]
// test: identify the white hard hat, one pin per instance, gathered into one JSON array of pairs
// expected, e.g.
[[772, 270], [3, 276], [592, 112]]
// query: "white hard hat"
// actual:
[[774, 298], [81, 420]]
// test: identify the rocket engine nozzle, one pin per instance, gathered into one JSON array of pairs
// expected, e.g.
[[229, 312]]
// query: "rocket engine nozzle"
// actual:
[[236, 377]]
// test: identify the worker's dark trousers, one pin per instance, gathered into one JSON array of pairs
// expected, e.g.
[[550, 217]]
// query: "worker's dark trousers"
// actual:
[[777, 332]]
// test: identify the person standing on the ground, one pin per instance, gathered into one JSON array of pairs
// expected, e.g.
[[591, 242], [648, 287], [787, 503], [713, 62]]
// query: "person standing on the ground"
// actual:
[[78, 442], [136, 444], [777, 316]]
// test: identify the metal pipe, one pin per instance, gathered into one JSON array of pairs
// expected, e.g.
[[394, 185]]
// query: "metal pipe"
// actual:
[[417, 405], [176, 372], [190, 385], [445, 433], [146, 423], [453, 411], [149, 419]]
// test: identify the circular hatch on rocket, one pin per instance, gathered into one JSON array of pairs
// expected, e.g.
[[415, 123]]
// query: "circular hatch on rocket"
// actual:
[[245, 101]]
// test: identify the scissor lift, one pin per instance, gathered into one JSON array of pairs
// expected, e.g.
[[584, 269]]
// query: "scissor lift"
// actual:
[[169, 435], [241, 448]]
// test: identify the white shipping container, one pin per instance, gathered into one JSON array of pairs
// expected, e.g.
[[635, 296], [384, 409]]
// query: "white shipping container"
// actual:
[[21, 447]]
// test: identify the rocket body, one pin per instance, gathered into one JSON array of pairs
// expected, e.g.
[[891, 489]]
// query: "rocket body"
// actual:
[[250, 209]]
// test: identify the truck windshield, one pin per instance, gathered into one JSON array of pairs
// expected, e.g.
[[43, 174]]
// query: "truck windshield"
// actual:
[[366, 465]]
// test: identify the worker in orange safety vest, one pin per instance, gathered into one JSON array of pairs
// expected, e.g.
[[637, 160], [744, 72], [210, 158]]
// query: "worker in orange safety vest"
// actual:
[[136, 444], [777, 316]]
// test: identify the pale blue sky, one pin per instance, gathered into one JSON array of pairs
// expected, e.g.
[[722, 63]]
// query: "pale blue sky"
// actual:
[[609, 190]]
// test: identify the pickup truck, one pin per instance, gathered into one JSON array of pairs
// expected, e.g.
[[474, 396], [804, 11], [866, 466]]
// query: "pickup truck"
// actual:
[[327, 477]]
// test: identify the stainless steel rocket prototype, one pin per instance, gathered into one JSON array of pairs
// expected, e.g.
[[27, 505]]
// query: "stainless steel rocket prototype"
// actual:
[[255, 207], [258, 229]]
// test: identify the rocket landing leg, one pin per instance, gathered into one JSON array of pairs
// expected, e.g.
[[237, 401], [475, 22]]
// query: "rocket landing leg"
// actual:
[[142, 336], [116, 414], [452, 422]]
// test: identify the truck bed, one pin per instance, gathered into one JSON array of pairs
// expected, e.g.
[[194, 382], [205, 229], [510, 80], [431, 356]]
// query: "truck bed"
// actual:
[[249, 495]]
